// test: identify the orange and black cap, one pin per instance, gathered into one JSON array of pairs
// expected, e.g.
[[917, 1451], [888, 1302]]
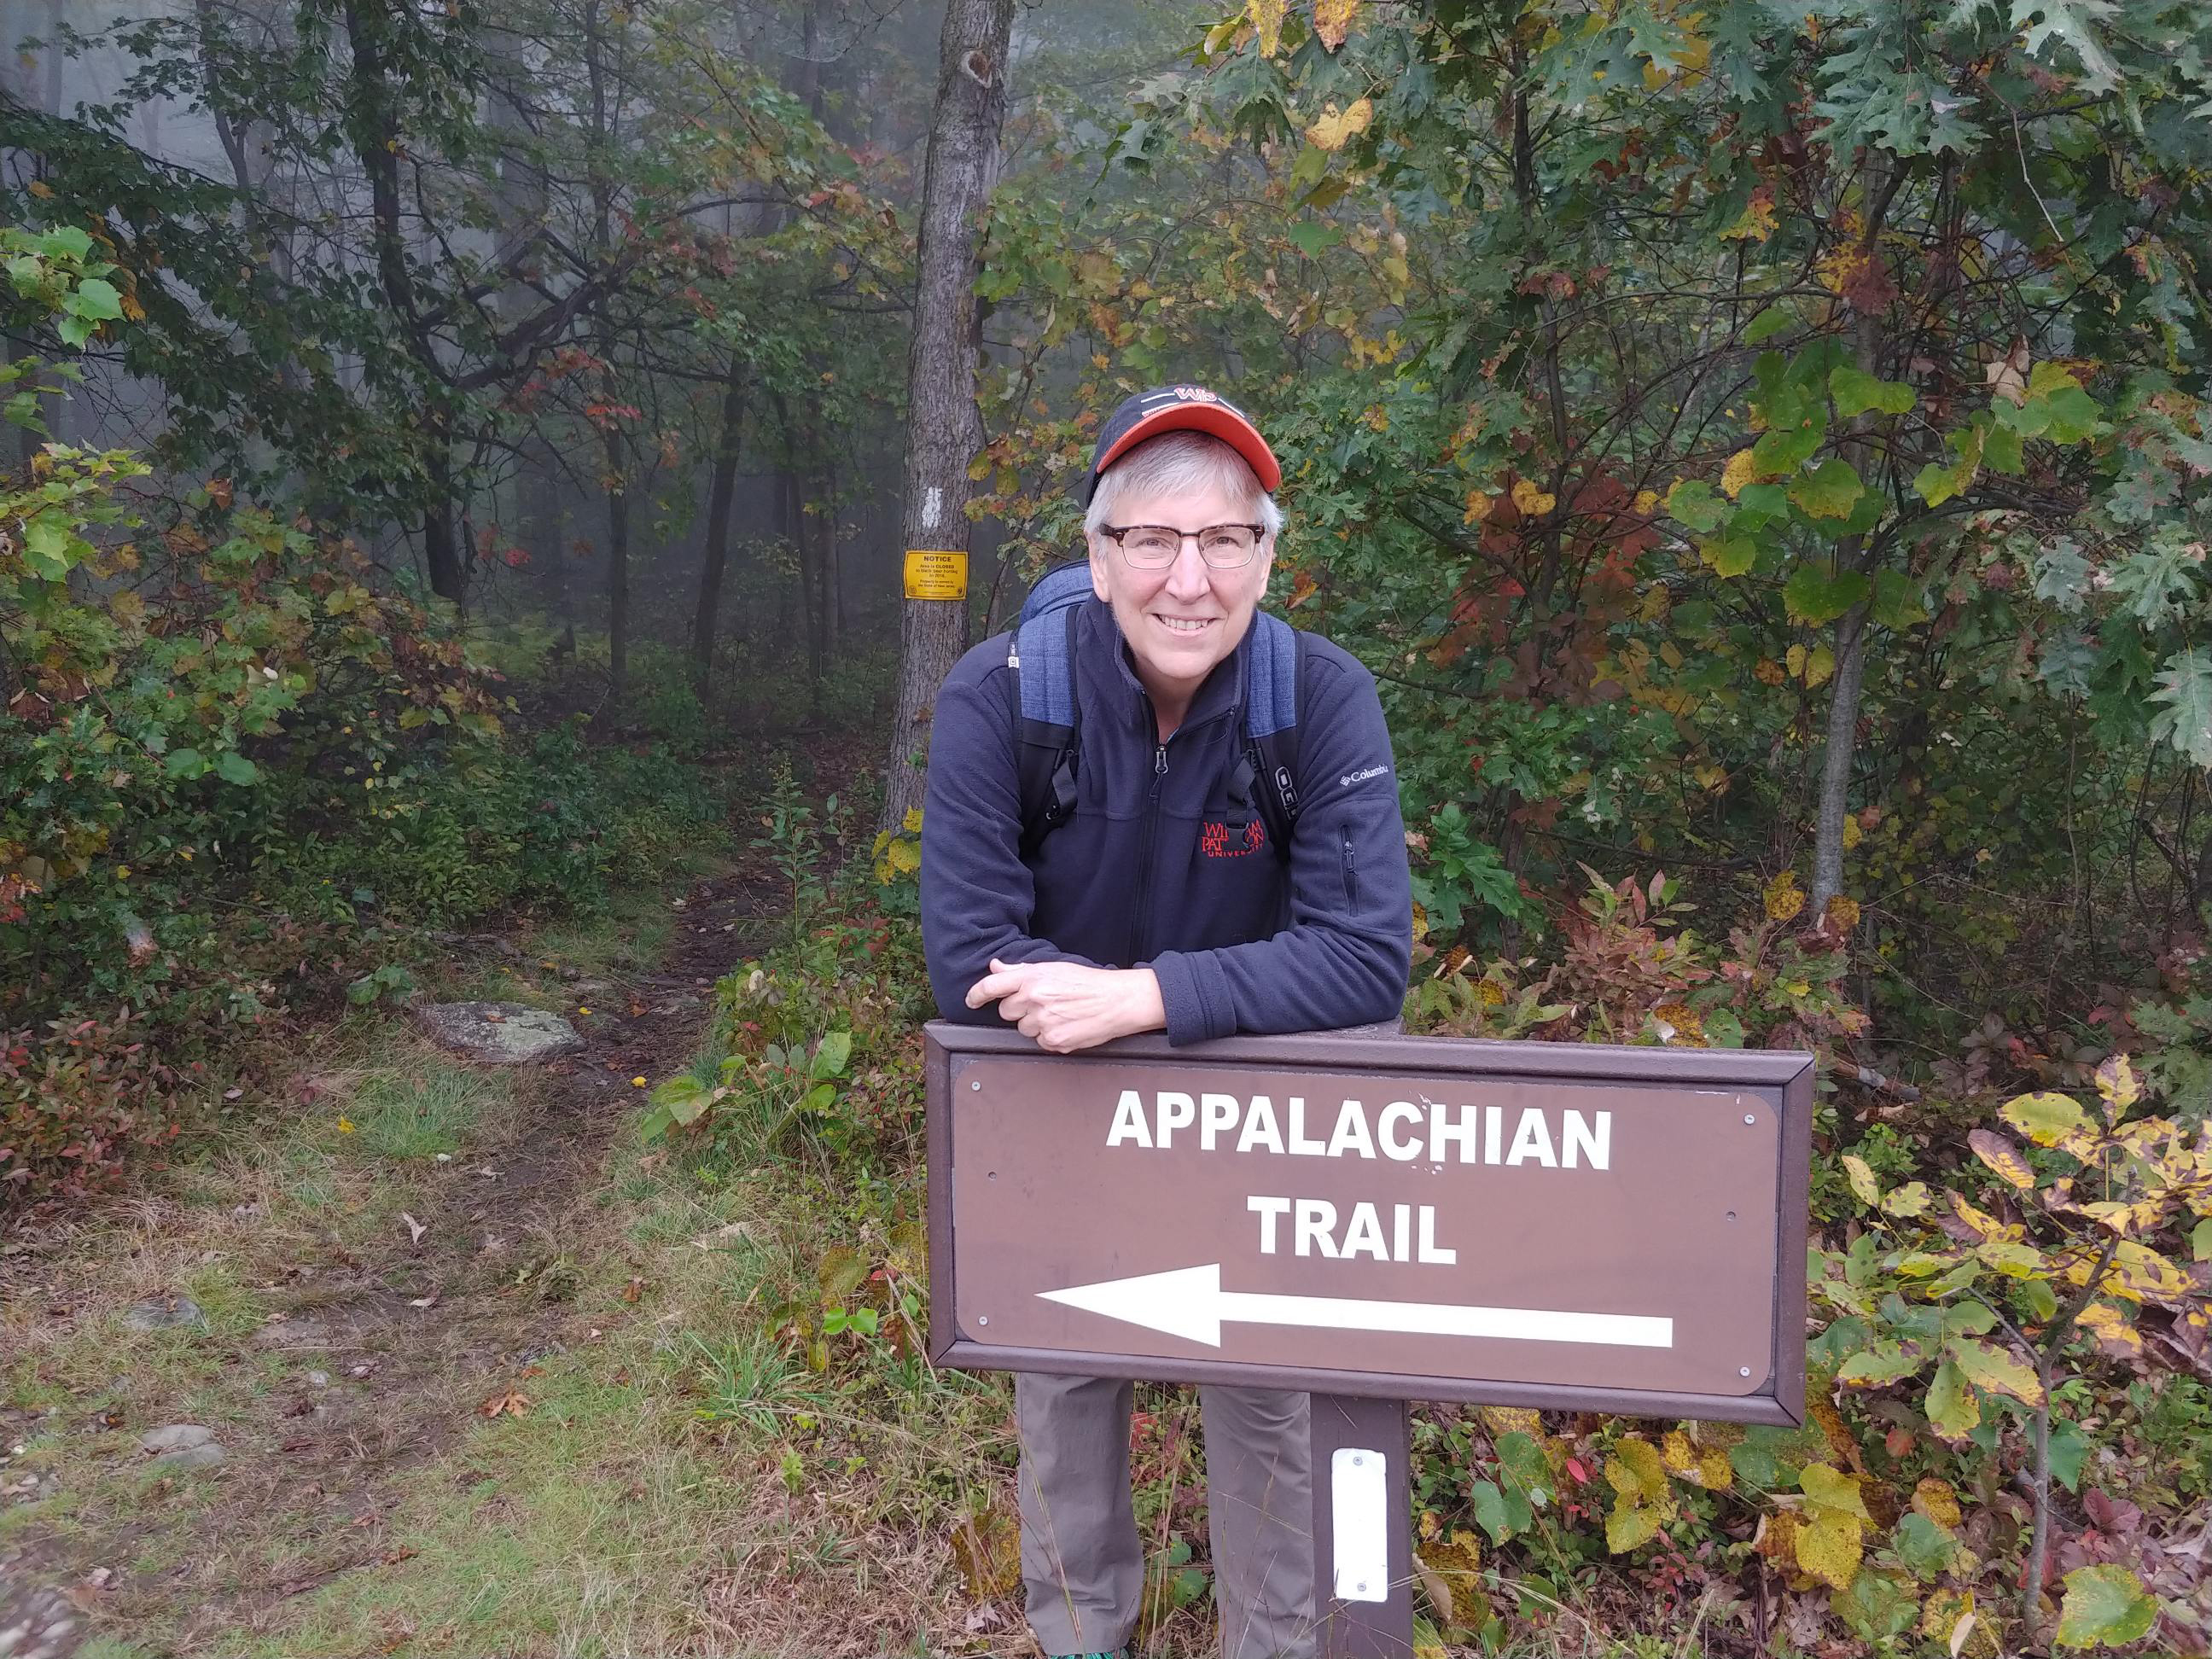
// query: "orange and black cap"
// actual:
[[1184, 409]]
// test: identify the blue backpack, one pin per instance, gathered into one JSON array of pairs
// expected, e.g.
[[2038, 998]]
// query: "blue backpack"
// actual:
[[1047, 725]]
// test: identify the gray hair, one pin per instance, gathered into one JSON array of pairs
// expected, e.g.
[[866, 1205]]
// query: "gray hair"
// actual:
[[1176, 462]]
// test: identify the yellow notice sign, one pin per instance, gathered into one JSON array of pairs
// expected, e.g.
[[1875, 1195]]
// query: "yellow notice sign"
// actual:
[[935, 575]]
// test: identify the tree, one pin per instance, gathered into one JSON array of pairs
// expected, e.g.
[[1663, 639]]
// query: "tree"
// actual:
[[944, 430]]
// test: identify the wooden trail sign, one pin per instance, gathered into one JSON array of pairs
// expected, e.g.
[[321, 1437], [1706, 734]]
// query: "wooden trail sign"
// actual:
[[1377, 1218]]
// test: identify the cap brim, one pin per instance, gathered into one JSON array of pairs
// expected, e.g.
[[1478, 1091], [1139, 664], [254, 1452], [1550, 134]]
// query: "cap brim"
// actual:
[[1213, 419]]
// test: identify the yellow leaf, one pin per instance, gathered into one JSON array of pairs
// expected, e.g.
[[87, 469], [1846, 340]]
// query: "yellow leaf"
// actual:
[[1860, 1176], [1512, 1419], [1828, 1543], [904, 856], [1853, 833], [1756, 223], [1534, 503], [2114, 1334], [1334, 130], [1333, 20], [1740, 470], [1647, 502], [2117, 1083], [1637, 1474], [2002, 1157], [1267, 17], [1478, 507], [1784, 899], [1936, 1500], [912, 823]]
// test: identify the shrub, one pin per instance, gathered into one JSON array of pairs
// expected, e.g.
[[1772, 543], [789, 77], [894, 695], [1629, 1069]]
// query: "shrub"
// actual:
[[74, 1103]]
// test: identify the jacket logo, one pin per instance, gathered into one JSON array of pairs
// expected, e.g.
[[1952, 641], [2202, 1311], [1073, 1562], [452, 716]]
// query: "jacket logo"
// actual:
[[1217, 841]]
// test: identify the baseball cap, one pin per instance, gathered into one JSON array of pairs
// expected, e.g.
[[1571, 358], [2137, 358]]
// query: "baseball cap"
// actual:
[[1184, 409]]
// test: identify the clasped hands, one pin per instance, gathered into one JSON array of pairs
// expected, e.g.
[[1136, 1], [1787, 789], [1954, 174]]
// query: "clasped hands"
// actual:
[[1068, 1006]]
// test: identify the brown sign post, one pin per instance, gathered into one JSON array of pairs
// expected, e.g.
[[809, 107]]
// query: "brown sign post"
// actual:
[[1376, 1219]]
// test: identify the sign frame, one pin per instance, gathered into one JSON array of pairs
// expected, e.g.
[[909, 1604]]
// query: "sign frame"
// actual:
[[1784, 1077]]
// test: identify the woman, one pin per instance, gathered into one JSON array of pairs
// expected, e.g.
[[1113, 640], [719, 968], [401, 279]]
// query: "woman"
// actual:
[[1160, 902]]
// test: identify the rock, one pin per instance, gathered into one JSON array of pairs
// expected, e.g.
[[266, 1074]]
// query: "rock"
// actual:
[[182, 1446], [498, 1033], [164, 1311], [294, 1334], [318, 1379]]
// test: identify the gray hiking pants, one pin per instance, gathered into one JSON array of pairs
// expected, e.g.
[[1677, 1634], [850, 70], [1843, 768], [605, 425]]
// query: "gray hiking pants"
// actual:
[[1083, 1564]]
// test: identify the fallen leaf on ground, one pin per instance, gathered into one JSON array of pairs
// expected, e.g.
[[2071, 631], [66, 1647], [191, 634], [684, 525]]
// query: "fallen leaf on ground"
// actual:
[[414, 1229], [512, 1403]]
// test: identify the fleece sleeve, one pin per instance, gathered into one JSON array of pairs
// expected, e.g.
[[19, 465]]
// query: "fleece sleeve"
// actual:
[[1344, 958], [977, 896]]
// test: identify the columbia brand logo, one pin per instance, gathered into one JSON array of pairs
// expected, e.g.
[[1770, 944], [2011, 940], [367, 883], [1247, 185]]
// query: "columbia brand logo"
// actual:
[[1351, 778]]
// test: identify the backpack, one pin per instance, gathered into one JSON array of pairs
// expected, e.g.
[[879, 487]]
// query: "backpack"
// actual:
[[1041, 652]]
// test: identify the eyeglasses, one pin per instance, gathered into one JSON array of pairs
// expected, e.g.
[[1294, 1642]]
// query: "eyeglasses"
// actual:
[[1155, 546]]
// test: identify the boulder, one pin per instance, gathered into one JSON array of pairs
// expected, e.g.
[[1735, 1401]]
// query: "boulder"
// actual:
[[498, 1033]]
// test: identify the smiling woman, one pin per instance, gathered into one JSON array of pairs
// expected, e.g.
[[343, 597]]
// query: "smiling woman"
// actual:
[[1160, 894], [1183, 538]]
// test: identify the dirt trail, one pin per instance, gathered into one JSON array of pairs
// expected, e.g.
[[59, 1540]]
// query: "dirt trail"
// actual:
[[404, 1341]]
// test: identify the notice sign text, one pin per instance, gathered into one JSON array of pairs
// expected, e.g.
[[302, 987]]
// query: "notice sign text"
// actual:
[[1619, 1229]]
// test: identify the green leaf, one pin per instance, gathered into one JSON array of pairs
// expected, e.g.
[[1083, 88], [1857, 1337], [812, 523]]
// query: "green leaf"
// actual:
[[1900, 601], [1925, 1548], [684, 1099], [1953, 1410], [830, 1058], [2042, 1301], [1500, 1512], [2106, 1606], [184, 763], [1813, 594], [1525, 1465], [1630, 1525], [95, 300], [234, 767], [2185, 688], [1856, 391], [52, 545], [2070, 1450], [1775, 319], [1729, 556], [2044, 1117], [2200, 1240], [1695, 503], [1871, 1368], [1988, 1366], [1311, 239]]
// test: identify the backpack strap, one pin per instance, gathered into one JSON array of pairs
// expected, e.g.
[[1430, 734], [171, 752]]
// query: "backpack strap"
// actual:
[[1266, 777], [1041, 654]]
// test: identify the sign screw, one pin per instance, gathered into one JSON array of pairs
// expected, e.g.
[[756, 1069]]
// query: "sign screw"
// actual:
[[978, 1083], [1747, 1117], [1358, 1462], [1743, 1370], [985, 1319], [1363, 1587]]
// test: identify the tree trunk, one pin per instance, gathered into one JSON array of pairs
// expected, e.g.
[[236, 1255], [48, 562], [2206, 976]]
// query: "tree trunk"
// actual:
[[617, 572], [720, 496], [944, 428], [1855, 553]]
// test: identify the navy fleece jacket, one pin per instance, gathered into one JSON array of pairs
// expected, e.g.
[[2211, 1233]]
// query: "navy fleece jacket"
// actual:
[[1156, 867]]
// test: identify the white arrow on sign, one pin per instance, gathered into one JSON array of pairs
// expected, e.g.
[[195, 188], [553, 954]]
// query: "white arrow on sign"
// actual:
[[1190, 1302]]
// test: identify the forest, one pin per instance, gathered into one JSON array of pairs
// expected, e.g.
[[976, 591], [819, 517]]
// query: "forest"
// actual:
[[457, 467]]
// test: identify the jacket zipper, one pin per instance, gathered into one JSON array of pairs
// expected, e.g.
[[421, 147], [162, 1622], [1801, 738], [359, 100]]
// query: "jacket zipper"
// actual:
[[1350, 871], [1140, 916]]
